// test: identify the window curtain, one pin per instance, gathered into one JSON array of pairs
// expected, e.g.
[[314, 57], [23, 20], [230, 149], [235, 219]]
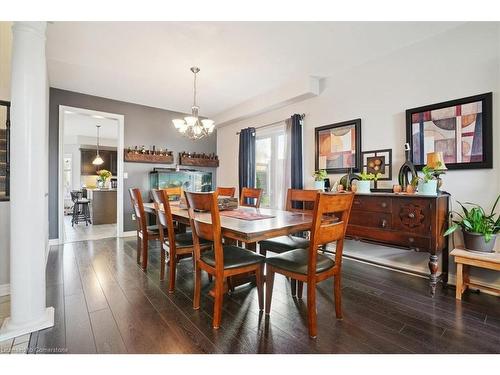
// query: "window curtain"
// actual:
[[246, 160], [294, 177]]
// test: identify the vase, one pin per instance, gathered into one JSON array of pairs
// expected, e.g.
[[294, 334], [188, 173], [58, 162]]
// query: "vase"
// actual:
[[363, 187], [319, 185], [428, 188], [100, 184]]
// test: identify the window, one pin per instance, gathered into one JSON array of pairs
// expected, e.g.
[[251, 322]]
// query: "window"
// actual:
[[270, 165]]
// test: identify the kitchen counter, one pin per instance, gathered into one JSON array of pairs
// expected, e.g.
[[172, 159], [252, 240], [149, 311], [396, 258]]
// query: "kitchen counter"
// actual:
[[103, 205]]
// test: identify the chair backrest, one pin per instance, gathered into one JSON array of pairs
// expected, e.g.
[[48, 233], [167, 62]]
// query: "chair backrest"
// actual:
[[164, 215], [330, 218], [174, 192], [226, 191], [299, 200], [250, 197], [75, 195], [206, 202], [138, 207]]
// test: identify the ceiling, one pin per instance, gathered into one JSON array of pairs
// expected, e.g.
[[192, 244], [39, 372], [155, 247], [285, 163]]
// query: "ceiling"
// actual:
[[78, 124], [148, 62]]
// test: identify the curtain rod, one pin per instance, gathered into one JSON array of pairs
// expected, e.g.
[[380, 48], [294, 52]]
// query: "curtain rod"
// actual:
[[274, 123]]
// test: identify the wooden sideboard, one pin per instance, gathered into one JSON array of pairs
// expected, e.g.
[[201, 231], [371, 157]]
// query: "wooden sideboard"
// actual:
[[415, 222]]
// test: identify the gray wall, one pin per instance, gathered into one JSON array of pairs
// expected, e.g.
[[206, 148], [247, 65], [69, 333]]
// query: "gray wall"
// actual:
[[143, 126]]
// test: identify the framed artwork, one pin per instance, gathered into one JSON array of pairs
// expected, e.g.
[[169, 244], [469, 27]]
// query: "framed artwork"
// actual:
[[461, 129], [378, 161], [338, 147]]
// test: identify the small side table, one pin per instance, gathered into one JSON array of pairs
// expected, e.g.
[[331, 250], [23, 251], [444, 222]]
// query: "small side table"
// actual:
[[465, 259]]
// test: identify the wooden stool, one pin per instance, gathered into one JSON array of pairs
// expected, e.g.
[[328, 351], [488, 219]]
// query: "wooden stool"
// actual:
[[464, 259]]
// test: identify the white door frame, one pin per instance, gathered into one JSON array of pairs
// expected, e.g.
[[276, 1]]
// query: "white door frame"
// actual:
[[120, 148]]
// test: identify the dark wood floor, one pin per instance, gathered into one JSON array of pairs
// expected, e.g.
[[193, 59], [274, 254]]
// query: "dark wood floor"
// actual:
[[105, 304]]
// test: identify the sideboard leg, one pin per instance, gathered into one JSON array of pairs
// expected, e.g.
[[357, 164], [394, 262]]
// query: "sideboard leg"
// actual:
[[433, 267]]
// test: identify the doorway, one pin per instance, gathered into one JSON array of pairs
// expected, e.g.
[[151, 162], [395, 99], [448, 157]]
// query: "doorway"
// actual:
[[88, 208]]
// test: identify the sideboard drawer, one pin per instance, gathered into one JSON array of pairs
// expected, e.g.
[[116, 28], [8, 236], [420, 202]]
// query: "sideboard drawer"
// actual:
[[412, 216], [371, 219], [372, 203]]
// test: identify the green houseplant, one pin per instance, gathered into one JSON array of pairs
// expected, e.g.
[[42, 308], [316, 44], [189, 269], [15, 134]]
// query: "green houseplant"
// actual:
[[479, 228], [319, 179], [365, 182], [428, 183], [102, 176]]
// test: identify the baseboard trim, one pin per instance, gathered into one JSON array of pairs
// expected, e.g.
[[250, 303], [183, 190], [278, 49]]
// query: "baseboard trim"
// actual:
[[129, 233], [4, 290]]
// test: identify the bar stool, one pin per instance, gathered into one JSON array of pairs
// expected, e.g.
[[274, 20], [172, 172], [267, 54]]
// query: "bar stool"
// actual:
[[81, 209]]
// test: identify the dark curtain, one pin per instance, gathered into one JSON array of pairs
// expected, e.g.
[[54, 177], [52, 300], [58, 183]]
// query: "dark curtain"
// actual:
[[246, 161], [296, 177]]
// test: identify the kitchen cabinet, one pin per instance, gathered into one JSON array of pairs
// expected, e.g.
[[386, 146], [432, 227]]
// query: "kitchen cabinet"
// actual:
[[110, 158]]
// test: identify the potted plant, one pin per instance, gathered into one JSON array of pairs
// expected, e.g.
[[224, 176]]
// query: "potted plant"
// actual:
[[428, 184], [319, 179], [365, 182], [102, 176], [479, 229]]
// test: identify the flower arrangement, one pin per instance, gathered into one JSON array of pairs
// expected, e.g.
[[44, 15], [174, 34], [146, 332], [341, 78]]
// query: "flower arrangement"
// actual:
[[320, 175], [103, 175]]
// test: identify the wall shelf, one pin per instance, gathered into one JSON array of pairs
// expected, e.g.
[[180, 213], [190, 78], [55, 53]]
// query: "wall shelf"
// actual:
[[132, 157], [198, 161]]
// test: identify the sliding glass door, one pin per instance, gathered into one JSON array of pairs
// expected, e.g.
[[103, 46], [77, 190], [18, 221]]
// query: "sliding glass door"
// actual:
[[270, 168]]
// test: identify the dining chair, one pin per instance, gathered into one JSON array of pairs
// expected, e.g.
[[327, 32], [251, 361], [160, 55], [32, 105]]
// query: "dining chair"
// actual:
[[297, 200], [175, 244], [250, 197], [145, 233], [226, 191], [222, 261], [330, 218]]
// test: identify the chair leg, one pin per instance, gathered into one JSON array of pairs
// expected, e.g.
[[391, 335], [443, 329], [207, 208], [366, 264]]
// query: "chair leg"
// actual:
[[138, 248], [269, 287], [219, 296], [144, 253], [162, 262], [293, 287], [300, 289], [337, 296], [197, 287], [172, 268], [259, 276], [311, 309]]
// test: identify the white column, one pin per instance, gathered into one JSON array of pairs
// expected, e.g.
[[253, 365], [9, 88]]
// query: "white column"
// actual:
[[27, 182]]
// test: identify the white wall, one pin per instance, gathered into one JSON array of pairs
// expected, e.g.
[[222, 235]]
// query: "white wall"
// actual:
[[5, 57], [461, 62]]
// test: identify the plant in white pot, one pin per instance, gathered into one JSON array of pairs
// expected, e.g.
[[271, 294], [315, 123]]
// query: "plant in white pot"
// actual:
[[319, 179], [428, 184], [364, 184], [479, 229]]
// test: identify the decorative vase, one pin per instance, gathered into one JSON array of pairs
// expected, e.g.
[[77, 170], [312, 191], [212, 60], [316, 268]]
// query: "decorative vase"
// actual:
[[319, 185], [428, 188], [100, 184], [363, 187], [476, 242]]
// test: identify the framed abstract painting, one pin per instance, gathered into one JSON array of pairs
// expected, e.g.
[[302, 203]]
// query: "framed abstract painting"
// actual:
[[461, 129], [338, 147]]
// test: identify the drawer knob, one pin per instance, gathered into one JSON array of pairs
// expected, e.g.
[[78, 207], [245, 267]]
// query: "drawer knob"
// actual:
[[411, 215], [383, 204], [357, 202], [411, 239], [384, 223]]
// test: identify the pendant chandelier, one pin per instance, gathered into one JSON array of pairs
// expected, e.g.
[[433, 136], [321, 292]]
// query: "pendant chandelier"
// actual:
[[192, 127], [98, 160]]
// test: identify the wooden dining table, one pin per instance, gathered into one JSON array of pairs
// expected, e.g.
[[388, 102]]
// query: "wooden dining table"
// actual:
[[247, 231]]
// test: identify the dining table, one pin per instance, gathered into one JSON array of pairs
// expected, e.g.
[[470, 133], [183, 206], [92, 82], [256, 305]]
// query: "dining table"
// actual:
[[252, 225]]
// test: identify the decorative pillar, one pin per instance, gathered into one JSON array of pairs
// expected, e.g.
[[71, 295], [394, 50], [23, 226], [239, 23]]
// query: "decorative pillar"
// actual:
[[28, 155]]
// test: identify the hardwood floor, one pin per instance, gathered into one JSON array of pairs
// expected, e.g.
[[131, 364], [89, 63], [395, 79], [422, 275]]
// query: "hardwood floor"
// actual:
[[105, 304]]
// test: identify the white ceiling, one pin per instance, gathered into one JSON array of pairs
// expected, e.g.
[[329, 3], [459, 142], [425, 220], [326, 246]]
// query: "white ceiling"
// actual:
[[78, 124], [148, 62]]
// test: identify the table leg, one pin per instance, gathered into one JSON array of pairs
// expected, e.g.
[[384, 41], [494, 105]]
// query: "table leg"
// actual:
[[460, 280], [433, 267]]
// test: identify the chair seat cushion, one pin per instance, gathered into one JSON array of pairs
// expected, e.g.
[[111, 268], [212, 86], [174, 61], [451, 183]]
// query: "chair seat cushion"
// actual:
[[82, 201], [284, 243], [296, 261], [186, 240], [234, 257]]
